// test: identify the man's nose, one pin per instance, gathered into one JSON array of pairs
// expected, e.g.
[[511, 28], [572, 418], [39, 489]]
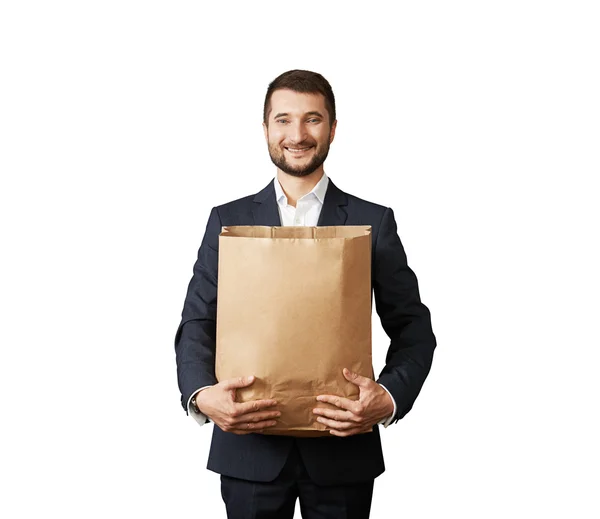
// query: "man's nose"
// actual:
[[298, 132]]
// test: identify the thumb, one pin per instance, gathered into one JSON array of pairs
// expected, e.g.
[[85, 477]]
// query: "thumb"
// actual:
[[234, 383], [355, 378]]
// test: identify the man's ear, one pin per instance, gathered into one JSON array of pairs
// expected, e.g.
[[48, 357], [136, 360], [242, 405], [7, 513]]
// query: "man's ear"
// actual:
[[332, 131], [266, 132]]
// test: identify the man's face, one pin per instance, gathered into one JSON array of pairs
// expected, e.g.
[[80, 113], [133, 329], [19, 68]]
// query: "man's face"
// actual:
[[298, 132]]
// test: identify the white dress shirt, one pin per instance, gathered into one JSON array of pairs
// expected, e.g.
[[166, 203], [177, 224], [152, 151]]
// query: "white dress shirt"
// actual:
[[306, 213]]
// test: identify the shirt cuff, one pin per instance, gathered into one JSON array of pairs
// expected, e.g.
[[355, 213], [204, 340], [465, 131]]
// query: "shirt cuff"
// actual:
[[387, 421], [201, 418]]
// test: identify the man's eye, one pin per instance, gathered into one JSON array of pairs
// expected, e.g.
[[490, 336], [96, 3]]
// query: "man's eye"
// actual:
[[281, 120], [313, 120]]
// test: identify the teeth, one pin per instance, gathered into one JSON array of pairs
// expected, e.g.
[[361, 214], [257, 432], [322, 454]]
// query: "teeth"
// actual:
[[296, 149]]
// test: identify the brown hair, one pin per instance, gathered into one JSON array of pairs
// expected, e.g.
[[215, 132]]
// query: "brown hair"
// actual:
[[303, 81]]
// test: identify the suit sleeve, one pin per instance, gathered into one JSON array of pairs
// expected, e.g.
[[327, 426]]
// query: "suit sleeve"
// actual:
[[404, 318], [196, 335]]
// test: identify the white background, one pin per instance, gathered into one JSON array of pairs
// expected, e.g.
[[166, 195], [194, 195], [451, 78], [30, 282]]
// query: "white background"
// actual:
[[122, 123]]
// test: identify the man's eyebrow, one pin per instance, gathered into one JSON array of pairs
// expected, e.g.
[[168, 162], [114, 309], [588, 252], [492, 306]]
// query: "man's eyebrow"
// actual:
[[285, 114]]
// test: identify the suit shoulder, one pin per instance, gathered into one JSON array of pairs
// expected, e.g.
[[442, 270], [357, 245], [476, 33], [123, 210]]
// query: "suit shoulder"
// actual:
[[354, 202], [237, 204]]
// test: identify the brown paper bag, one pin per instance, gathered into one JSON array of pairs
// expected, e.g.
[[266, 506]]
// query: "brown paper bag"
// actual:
[[294, 309]]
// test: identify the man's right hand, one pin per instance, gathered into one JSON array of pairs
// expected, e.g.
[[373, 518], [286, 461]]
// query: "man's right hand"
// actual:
[[218, 403]]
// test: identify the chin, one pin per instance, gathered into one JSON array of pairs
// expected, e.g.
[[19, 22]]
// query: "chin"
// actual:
[[302, 172]]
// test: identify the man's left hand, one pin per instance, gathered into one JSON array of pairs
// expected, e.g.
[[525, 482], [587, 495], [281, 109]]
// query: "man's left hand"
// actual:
[[356, 416]]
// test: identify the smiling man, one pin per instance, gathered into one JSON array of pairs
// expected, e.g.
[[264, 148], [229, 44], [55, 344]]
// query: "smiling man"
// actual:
[[262, 476]]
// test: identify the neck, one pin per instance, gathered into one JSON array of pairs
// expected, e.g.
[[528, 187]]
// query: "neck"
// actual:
[[296, 187]]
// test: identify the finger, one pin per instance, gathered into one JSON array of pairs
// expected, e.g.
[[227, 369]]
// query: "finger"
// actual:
[[234, 383], [334, 424], [340, 416], [341, 402], [253, 406], [349, 432], [250, 427], [357, 379], [256, 417]]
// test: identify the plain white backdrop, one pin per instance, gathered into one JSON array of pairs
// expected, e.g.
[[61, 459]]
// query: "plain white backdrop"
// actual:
[[123, 123]]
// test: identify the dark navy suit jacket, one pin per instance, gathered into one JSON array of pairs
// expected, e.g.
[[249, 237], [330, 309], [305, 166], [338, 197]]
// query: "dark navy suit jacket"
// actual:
[[328, 460]]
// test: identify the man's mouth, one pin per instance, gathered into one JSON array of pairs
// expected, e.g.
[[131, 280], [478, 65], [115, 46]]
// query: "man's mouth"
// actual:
[[298, 150]]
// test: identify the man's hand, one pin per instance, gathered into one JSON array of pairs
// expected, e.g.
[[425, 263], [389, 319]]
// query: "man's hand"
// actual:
[[356, 416], [218, 403]]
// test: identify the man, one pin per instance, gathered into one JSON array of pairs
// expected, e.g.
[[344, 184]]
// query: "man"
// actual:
[[263, 475]]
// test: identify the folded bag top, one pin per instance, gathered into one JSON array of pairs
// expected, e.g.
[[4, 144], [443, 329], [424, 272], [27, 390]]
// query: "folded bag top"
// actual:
[[263, 231]]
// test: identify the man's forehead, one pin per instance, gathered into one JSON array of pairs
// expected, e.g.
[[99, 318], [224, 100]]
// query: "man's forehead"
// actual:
[[291, 102]]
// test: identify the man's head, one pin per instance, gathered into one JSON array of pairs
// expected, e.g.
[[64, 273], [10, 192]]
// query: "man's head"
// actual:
[[299, 121]]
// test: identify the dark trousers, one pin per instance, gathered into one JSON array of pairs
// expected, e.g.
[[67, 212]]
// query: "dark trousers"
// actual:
[[277, 499]]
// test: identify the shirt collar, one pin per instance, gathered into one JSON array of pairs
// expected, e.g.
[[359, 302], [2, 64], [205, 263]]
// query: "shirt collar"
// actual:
[[319, 190]]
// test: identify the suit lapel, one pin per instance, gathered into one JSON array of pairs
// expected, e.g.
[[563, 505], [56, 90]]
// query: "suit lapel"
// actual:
[[333, 212], [265, 211]]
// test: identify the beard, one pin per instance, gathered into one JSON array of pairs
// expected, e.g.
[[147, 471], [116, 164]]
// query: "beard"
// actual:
[[278, 158]]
